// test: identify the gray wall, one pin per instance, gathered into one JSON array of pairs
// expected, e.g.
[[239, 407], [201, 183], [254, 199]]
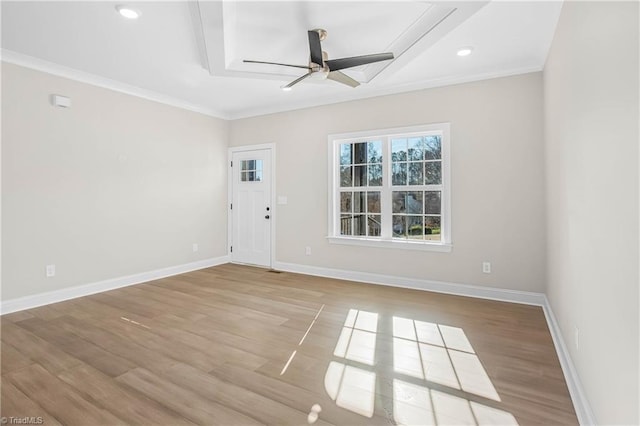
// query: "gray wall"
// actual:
[[497, 180], [591, 134], [113, 186]]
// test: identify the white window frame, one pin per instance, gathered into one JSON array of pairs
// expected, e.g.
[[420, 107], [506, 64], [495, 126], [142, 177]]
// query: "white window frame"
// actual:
[[386, 240]]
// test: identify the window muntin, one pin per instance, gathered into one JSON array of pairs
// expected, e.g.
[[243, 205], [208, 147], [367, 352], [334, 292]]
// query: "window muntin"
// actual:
[[391, 186]]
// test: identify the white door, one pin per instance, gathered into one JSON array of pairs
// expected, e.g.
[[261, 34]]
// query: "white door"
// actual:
[[251, 207]]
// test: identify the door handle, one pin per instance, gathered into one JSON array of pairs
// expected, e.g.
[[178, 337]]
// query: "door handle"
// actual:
[[266, 217]]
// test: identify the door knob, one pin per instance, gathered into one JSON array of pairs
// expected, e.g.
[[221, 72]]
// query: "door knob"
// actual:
[[266, 217]]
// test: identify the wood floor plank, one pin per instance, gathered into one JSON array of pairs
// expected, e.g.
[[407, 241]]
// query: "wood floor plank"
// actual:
[[123, 402], [234, 344], [78, 347], [187, 403], [59, 399], [12, 360], [128, 349], [14, 403], [31, 346], [16, 316], [169, 347], [294, 396], [218, 353], [263, 409]]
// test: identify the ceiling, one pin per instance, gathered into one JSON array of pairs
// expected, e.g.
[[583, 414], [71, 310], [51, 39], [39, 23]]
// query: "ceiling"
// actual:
[[190, 54]]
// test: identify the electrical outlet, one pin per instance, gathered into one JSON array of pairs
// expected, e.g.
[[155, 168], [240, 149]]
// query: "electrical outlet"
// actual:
[[51, 271], [577, 337], [486, 267], [195, 247], [307, 251]]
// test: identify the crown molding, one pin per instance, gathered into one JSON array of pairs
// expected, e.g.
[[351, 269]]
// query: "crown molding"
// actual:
[[31, 62], [392, 90], [95, 80]]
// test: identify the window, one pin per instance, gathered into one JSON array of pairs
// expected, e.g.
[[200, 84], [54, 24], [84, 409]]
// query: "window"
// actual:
[[391, 188]]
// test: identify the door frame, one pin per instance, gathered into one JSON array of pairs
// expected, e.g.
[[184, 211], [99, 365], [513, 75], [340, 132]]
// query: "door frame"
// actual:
[[271, 147]]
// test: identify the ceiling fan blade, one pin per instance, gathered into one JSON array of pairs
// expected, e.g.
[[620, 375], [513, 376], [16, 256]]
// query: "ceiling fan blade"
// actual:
[[354, 61], [296, 81], [277, 63], [342, 78], [315, 49]]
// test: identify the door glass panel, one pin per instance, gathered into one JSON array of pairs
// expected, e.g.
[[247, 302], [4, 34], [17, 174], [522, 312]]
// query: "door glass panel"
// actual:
[[251, 170]]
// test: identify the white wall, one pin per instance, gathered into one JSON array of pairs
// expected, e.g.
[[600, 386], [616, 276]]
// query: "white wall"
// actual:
[[591, 133], [113, 186], [497, 185]]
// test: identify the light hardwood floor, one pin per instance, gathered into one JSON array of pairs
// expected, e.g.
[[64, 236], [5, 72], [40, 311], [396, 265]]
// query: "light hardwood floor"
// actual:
[[239, 345]]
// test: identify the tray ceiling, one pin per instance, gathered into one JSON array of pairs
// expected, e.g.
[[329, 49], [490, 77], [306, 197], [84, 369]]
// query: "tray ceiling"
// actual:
[[277, 32]]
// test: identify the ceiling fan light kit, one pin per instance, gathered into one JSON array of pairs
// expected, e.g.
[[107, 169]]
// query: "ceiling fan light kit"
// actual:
[[321, 67]]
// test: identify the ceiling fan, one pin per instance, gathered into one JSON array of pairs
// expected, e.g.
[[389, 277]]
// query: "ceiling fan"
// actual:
[[321, 66]]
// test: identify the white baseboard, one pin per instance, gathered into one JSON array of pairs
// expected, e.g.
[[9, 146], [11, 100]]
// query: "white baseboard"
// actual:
[[525, 297], [580, 402], [578, 397], [28, 302]]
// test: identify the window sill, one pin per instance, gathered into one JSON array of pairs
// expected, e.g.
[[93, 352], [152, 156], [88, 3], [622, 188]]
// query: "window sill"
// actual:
[[402, 245]]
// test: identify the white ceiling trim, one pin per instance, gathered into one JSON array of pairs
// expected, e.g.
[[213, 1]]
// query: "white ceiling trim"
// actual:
[[88, 78], [396, 89], [26, 61]]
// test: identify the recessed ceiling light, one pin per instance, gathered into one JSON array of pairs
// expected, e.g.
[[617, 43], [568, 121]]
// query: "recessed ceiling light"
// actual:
[[465, 51], [128, 12]]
